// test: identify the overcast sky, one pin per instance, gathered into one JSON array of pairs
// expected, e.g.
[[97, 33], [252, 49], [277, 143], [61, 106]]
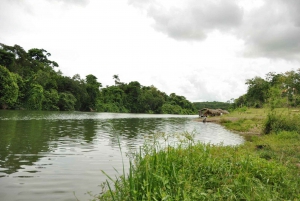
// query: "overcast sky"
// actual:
[[201, 49]]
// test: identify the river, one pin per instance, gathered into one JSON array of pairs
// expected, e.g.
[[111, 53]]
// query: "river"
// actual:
[[59, 155]]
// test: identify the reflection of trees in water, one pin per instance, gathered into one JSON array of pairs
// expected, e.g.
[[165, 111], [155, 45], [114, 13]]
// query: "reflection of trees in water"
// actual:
[[131, 129], [21, 141], [27, 137]]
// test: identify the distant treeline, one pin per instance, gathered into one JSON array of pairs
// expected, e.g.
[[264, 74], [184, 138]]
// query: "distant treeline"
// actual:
[[28, 81], [275, 91], [212, 105]]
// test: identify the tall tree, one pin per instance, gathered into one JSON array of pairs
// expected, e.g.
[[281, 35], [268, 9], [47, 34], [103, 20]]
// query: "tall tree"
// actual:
[[151, 100], [8, 88], [6, 58], [133, 91], [93, 90], [257, 92], [35, 97]]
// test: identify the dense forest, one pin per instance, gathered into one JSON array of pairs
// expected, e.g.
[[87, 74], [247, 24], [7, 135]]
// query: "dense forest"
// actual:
[[30, 80], [276, 90]]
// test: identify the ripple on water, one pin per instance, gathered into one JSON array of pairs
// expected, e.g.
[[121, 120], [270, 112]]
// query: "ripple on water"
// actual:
[[51, 155]]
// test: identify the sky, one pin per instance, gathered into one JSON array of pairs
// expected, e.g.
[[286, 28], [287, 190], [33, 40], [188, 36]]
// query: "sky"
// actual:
[[204, 50]]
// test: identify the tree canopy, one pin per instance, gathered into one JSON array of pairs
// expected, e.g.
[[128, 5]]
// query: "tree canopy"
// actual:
[[275, 90], [29, 80]]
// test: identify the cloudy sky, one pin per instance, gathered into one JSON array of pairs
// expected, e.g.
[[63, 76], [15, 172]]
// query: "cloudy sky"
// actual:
[[201, 49]]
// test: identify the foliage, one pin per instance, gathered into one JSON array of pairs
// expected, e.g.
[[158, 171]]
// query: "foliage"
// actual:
[[66, 101], [275, 91], [77, 87], [32, 83], [151, 100], [6, 58], [276, 123], [212, 105], [92, 88], [241, 125], [276, 133], [50, 100], [178, 105], [256, 94], [112, 99], [202, 172], [264, 168], [34, 97], [8, 88], [167, 108]]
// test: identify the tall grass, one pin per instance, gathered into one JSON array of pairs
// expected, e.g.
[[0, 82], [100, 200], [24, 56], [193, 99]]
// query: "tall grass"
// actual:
[[196, 171], [276, 122]]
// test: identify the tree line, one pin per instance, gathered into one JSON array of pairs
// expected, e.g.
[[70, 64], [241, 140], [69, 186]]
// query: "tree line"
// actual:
[[212, 105], [29, 80], [275, 90]]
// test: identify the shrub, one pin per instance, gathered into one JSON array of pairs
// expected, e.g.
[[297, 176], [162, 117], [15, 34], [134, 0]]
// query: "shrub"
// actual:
[[281, 122]]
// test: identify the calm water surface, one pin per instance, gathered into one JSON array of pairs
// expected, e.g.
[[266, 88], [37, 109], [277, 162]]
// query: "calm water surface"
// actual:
[[52, 155]]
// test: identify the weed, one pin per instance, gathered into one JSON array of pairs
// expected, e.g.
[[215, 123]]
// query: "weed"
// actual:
[[196, 171]]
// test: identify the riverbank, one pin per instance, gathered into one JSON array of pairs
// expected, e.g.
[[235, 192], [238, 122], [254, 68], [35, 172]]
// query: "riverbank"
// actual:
[[266, 167], [244, 122], [270, 134]]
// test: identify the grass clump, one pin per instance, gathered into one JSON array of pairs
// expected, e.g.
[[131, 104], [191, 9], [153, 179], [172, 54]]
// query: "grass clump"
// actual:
[[283, 147], [276, 122], [241, 125], [196, 171], [277, 134]]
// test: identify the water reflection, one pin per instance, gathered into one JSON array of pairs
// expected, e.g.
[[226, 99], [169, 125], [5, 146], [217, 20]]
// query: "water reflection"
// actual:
[[48, 155]]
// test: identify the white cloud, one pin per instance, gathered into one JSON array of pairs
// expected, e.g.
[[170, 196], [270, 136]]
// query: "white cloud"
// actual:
[[269, 28], [203, 50], [194, 20]]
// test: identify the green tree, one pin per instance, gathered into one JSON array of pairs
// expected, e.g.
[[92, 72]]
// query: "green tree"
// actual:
[[257, 92], [39, 60], [21, 64], [6, 58], [239, 102], [133, 91], [21, 92], [66, 101], [213, 105], [168, 108], [186, 106], [8, 88], [112, 99], [77, 87], [92, 88], [41, 56], [117, 80], [26, 64], [50, 100], [35, 97], [151, 100]]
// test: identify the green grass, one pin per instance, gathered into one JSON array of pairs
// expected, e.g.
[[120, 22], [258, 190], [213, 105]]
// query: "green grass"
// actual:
[[277, 130], [241, 125], [261, 169]]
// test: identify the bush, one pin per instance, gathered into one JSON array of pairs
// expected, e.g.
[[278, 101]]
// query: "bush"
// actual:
[[280, 122]]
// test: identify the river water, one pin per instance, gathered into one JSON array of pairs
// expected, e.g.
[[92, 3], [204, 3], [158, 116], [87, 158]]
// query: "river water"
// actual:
[[59, 155]]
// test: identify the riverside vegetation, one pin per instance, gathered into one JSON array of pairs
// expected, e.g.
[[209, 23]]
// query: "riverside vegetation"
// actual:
[[31, 81], [266, 167]]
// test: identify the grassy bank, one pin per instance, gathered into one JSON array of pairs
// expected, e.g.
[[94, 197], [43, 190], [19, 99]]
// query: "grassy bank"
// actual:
[[264, 168]]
